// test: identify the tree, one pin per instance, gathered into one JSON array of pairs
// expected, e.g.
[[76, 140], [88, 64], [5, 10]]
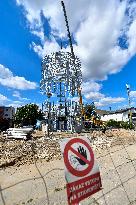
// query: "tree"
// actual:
[[90, 110], [27, 115]]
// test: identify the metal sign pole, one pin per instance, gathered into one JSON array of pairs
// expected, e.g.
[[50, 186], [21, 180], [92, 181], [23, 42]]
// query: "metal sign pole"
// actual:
[[129, 104]]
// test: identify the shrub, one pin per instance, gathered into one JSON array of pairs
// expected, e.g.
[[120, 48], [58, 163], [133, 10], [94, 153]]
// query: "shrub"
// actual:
[[119, 124]]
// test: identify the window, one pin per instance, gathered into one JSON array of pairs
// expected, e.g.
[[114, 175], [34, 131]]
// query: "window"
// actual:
[[6, 115]]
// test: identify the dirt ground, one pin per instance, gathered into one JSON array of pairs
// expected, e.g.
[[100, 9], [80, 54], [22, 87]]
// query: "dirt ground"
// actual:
[[41, 182]]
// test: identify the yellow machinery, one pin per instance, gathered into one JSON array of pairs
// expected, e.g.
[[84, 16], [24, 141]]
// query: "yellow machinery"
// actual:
[[92, 120]]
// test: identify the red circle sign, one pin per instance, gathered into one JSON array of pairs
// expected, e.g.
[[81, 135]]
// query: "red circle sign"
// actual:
[[68, 147]]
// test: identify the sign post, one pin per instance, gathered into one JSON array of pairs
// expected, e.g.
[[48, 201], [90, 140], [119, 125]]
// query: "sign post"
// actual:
[[81, 170]]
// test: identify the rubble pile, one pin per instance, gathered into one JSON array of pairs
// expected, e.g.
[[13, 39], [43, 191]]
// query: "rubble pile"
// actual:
[[20, 152], [17, 152], [100, 140], [126, 137]]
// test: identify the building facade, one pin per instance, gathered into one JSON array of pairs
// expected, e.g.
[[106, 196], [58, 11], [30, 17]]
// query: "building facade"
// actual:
[[120, 115], [7, 112]]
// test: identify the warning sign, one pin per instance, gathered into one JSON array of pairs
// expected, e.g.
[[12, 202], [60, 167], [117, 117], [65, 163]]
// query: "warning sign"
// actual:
[[83, 154], [81, 170]]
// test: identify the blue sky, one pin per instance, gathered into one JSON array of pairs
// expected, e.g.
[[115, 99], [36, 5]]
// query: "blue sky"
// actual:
[[105, 42]]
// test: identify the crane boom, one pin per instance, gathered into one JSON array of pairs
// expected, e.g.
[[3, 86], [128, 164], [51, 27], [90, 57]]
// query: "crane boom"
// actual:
[[69, 35]]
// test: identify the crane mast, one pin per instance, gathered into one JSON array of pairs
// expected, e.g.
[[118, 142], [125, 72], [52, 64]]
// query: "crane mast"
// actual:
[[72, 52]]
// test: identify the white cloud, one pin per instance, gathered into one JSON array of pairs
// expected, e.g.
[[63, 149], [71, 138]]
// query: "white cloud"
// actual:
[[16, 104], [108, 101], [94, 96], [7, 79], [39, 34], [132, 37], [47, 47], [3, 99], [90, 86], [112, 100], [76, 99], [18, 95], [5, 72], [133, 94], [97, 27], [98, 40], [90, 90], [33, 11]]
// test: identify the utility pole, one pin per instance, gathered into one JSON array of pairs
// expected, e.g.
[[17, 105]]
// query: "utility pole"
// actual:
[[129, 104]]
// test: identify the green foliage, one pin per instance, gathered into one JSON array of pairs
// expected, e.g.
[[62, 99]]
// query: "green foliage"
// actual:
[[113, 123], [90, 110], [27, 115], [119, 124]]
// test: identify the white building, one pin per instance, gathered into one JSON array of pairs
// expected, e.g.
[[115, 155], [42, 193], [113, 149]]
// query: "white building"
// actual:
[[120, 115]]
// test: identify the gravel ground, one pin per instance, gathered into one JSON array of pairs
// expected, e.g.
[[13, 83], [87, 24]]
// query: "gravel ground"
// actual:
[[36, 176], [19, 152]]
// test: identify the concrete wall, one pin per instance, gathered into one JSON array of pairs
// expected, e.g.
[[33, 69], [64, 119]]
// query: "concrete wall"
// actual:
[[118, 116]]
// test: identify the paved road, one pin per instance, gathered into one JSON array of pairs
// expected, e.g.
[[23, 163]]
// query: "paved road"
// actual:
[[43, 183]]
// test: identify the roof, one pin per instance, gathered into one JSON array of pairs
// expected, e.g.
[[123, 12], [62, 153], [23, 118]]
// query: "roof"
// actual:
[[5, 107], [119, 111], [102, 112]]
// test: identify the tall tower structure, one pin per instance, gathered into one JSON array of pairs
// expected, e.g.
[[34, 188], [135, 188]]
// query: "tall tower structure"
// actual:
[[61, 76]]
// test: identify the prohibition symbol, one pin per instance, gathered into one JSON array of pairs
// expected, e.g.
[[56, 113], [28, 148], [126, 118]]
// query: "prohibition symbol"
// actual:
[[90, 156]]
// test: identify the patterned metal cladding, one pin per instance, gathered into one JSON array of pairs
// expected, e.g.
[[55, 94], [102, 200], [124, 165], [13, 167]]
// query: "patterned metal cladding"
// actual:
[[61, 67]]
